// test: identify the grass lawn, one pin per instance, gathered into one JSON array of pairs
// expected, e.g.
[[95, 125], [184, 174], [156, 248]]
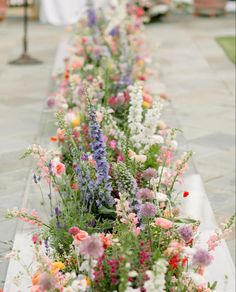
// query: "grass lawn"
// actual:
[[228, 44]]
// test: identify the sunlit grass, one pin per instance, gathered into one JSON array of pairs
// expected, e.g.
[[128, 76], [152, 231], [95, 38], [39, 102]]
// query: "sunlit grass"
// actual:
[[228, 44]]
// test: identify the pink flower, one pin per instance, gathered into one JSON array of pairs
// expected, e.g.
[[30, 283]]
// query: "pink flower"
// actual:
[[213, 241], [105, 139], [81, 236], [163, 223], [36, 288], [92, 247], [112, 144], [59, 168], [74, 230]]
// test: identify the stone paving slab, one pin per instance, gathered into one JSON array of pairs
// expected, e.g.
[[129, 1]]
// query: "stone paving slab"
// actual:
[[22, 93], [201, 83]]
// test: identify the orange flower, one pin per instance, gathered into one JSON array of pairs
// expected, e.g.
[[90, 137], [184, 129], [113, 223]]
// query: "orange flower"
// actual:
[[53, 138], [106, 240], [88, 281], [146, 104], [36, 278]]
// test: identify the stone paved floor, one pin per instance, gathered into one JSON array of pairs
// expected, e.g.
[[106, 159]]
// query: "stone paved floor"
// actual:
[[22, 92], [201, 83]]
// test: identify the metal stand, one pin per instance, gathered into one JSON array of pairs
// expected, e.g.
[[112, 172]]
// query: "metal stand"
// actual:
[[25, 58]]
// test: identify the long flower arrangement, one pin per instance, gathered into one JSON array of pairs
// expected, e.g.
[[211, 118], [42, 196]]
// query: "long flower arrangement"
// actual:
[[114, 212]]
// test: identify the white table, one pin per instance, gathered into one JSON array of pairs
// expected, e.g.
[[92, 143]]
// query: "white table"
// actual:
[[64, 12]]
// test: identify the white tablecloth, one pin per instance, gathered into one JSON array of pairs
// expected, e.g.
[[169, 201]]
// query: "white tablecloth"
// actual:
[[63, 12]]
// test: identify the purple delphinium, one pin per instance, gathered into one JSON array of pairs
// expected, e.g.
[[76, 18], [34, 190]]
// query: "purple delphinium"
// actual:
[[98, 147], [86, 185], [115, 31], [147, 210], [58, 214], [201, 258], [92, 18], [186, 232]]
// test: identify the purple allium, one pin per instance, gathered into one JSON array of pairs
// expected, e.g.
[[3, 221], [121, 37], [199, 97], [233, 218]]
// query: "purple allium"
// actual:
[[150, 173], [145, 194], [147, 210], [47, 282], [186, 232], [92, 247], [201, 258]]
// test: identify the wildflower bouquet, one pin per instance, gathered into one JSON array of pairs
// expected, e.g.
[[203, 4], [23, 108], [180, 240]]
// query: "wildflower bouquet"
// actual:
[[114, 213]]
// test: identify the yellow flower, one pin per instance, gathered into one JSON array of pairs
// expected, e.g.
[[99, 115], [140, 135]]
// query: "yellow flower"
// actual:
[[141, 63], [75, 122], [146, 104], [88, 281], [57, 266]]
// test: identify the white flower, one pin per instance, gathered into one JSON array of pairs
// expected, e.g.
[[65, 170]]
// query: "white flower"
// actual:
[[189, 251], [86, 265], [174, 145], [157, 139], [69, 117], [133, 274], [130, 289], [160, 197], [79, 285], [156, 281], [197, 279]]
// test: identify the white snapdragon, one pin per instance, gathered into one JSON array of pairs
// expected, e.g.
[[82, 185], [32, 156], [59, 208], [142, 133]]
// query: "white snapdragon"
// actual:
[[156, 281], [160, 197], [135, 115], [150, 124], [143, 129]]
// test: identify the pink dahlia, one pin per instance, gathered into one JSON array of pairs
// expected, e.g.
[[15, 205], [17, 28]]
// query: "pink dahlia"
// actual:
[[92, 247]]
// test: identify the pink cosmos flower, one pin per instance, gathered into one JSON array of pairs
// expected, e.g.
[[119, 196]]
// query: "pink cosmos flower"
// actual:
[[92, 247], [163, 223], [112, 144]]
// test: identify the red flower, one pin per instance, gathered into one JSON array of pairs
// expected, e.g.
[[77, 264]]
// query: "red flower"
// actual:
[[185, 194], [35, 239], [139, 12], [174, 261], [184, 261]]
